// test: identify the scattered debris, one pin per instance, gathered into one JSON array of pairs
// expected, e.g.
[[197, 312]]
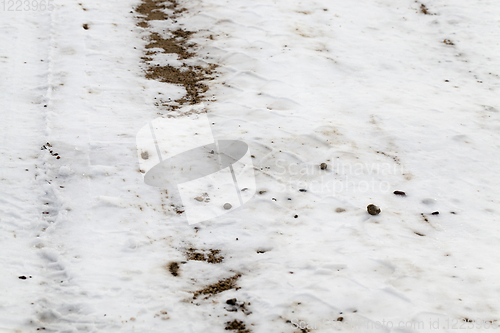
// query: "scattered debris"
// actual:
[[234, 306], [373, 210], [302, 190], [395, 158], [22, 277], [323, 166], [448, 42], [401, 193], [48, 147], [425, 10], [339, 210], [435, 213], [418, 233], [86, 26]]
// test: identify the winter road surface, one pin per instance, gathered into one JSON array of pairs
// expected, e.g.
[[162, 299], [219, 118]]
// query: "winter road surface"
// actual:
[[391, 95]]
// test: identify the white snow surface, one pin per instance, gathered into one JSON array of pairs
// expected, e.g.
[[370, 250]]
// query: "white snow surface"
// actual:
[[368, 87]]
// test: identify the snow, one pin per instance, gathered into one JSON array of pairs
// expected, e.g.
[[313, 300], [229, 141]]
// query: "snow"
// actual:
[[368, 87]]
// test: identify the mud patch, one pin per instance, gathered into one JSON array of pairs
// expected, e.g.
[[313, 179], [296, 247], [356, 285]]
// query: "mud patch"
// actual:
[[174, 268], [211, 256], [217, 288], [152, 10], [176, 44], [237, 325], [188, 76]]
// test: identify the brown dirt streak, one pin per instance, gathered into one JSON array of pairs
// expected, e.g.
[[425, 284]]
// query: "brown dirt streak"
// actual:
[[188, 76]]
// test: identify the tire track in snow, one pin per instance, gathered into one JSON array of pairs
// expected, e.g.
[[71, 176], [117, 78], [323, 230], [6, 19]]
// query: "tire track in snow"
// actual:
[[58, 307]]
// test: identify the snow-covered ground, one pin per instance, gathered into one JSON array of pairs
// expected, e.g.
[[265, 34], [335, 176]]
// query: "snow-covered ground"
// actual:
[[391, 95]]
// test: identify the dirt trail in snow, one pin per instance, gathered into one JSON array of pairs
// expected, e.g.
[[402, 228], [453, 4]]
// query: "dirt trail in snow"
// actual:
[[192, 77]]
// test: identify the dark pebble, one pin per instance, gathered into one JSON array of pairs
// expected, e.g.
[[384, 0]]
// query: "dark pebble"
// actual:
[[22, 277], [435, 213], [323, 166], [302, 190], [400, 193], [372, 209], [231, 301]]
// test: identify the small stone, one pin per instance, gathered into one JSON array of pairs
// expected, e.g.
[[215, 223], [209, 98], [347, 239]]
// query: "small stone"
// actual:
[[323, 166], [401, 193], [227, 206], [262, 192], [231, 301], [198, 199], [295, 216], [22, 277], [372, 209], [302, 190], [339, 210], [435, 213]]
